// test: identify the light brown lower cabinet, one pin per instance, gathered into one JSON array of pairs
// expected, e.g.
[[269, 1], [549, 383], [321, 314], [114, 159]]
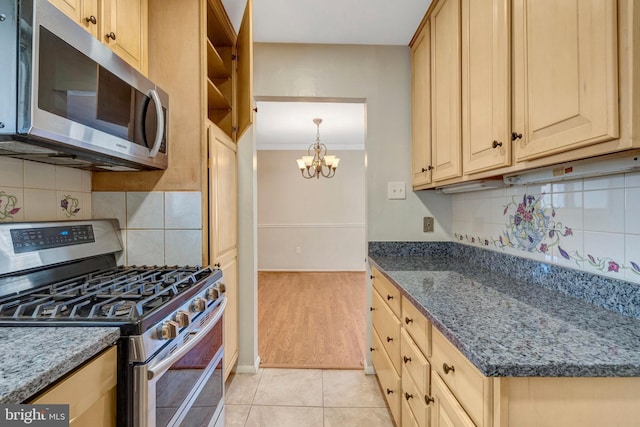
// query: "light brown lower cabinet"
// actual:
[[90, 392], [437, 386]]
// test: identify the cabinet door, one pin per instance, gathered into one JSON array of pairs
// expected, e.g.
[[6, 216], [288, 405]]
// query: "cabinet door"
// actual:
[[223, 230], [445, 90], [445, 410], [84, 12], [244, 82], [486, 113], [565, 75], [124, 30], [421, 107]]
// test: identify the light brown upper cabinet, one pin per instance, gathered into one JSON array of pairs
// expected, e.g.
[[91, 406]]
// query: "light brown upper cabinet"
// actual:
[[445, 90], [565, 75], [421, 106], [229, 61], [119, 24], [486, 78]]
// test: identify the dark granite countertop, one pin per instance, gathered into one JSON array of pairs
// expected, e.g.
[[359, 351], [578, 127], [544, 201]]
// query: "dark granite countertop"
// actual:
[[35, 357], [508, 327]]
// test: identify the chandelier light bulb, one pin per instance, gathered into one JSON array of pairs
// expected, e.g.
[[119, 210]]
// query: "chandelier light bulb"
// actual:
[[317, 163]]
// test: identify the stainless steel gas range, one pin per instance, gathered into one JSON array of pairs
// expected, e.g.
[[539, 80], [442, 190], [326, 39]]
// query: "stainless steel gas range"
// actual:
[[170, 317]]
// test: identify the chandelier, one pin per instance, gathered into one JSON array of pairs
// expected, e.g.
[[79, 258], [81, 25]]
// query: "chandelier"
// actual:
[[318, 164]]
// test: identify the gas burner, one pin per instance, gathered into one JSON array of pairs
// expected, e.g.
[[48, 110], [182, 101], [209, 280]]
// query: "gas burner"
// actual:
[[118, 308]]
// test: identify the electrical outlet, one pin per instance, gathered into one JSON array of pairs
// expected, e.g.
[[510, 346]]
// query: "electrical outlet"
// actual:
[[396, 191], [427, 224]]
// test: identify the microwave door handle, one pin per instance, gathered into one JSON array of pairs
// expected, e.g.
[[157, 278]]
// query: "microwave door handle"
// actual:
[[160, 123], [165, 364]]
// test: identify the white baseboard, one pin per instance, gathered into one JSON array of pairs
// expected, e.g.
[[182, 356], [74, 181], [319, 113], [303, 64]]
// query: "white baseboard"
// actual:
[[368, 369], [249, 369]]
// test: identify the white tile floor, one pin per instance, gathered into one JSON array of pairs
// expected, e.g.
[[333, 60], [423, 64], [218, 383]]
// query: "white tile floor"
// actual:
[[305, 398]]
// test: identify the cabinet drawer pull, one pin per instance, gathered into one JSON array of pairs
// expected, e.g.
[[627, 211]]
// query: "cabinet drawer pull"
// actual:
[[515, 135], [408, 396], [406, 359], [91, 19], [111, 35], [496, 144], [428, 399], [407, 320], [389, 391], [389, 297], [389, 339], [448, 368]]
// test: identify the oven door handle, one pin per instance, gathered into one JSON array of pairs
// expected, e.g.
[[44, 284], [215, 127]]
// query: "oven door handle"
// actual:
[[165, 364]]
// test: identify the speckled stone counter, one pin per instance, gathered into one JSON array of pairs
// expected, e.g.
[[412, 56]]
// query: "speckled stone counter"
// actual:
[[508, 327], [33, 358]]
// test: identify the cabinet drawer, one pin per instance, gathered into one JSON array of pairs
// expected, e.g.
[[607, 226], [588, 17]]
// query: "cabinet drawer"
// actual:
[[414, 363], [407, 417], [415, 398], [389, 293], [417, 325], [388, 328], [466, 383], [446, 410], [388, 377]]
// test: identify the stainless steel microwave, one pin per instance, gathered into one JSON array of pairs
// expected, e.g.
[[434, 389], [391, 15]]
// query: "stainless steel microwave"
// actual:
[[67, 99]]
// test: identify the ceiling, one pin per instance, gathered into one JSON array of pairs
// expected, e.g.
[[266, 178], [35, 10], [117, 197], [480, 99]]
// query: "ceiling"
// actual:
[[289, 125]]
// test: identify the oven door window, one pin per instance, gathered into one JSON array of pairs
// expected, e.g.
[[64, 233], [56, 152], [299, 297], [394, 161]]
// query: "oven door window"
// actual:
[[188, 394], [73, 86]]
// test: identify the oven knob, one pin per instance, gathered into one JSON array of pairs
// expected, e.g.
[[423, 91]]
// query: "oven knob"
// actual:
[[169, 329], [183, 318], [213, 293], [199, 304]]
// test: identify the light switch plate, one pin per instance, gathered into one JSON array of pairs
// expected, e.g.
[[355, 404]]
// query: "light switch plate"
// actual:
[[396, 191]]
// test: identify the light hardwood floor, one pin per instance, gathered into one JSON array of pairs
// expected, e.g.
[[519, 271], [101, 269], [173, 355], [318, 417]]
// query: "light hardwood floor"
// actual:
[[311, 320]]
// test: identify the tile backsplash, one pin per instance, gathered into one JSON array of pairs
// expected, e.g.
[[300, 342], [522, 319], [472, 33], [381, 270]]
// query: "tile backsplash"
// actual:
[[31, 191], [157, 227], [588, 224]]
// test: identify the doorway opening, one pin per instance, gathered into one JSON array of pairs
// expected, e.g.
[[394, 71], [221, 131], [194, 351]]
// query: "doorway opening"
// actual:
[[311, 235]]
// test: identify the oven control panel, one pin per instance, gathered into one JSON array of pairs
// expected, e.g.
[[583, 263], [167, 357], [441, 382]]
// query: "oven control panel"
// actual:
[[35, 239]]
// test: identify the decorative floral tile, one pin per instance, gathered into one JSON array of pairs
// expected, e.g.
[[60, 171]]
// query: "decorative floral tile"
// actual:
[[69, 205], [11, 204], [531, 226]]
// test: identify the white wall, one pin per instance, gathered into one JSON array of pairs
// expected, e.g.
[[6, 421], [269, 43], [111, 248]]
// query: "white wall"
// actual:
[[323, 218], [382, 76]]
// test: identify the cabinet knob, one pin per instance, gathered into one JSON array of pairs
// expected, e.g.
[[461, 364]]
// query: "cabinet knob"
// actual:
[[427, 169], [406, 359], [408, 396], [217, 264], [389, 391], [448, 368], [428, 399], [372, 277], [372, 309], [389, 297], [111, 35], [407, 320], [372, 349], [515, 135], [496, 144], [389, 339], [91, 19]]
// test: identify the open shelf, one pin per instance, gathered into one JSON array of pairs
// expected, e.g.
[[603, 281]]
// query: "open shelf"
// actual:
[[215, 99], [216, 65]]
